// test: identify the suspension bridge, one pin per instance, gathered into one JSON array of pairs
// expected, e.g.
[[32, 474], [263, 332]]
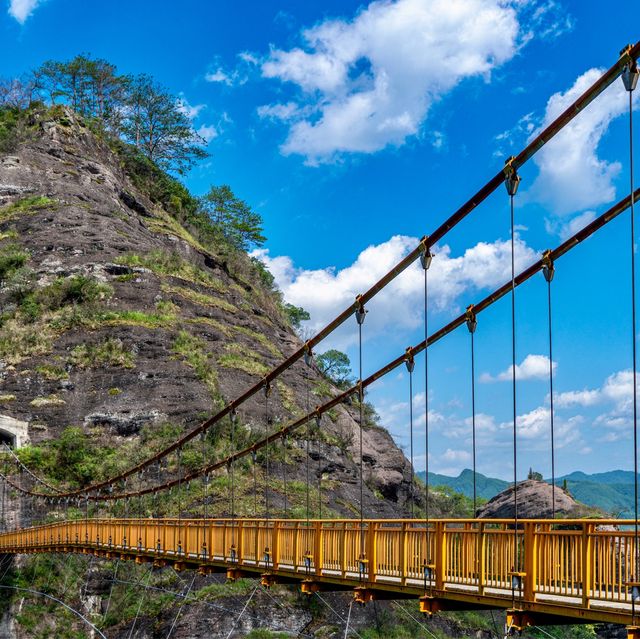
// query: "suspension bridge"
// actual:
[[550, 571]]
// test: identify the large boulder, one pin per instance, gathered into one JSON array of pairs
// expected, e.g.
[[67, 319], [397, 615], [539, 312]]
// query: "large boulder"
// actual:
[[535, 501]]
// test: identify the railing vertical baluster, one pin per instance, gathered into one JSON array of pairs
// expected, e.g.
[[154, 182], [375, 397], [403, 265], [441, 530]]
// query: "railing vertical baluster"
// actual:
[[276, 531], [403, 553], [482, 546], [530, 560], [441, 555]]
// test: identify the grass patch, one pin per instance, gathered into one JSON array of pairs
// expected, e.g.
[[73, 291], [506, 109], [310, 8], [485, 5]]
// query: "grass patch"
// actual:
[[12, 258], [127, 277], [244, 359], [193, 351], [199, 298], [237, 588], [167, 307], [49, 400], [261, 338], [51, 372], [165, 263], [288, 398], [99, 318], [168, 225], [213, 323], [5, 399], [31, 204], [109, 353], [11, 234], [19, 341]]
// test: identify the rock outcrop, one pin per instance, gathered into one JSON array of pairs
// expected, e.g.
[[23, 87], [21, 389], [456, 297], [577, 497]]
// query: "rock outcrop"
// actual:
[[195, 328], [535, 501]]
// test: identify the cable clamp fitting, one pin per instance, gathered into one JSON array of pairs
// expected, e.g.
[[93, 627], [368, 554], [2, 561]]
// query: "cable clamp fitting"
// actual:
[[471, 319], [308, 354], [548, 267], [511, 177], [630, 71], [267, 387], [425, 253], [361, 311], [409, 360]]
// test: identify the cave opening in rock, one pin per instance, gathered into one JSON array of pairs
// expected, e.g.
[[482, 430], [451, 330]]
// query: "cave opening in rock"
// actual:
[[7, 438]]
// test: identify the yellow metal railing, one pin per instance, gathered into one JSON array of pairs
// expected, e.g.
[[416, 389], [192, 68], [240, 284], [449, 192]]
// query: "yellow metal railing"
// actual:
[[578, 564]]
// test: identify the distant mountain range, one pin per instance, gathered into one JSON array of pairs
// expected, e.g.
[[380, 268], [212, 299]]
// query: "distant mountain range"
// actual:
[[612, 491]]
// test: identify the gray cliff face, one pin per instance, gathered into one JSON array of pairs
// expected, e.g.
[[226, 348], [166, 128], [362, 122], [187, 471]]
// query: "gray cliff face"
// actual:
[[92, 217], [85, 215]]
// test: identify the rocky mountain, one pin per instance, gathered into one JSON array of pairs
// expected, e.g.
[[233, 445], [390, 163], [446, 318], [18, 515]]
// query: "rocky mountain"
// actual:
[[486, 487], [129, 324], [123, 323]]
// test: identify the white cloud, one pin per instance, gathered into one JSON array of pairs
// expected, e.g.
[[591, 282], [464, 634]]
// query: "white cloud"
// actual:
[[532, 367], [548, 19], [451, 455], [565, 229], [367, 87], [235, 77], [616, 392], [218, 76], [191, 111], [208, 132], [572, 177], [249, 58], [22, 9], [509, 139], [324, 292], [569, 399], [284, 112]]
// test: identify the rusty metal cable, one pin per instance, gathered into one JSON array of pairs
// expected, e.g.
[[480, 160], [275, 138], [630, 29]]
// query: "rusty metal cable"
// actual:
[[339, 399], [628, 56]]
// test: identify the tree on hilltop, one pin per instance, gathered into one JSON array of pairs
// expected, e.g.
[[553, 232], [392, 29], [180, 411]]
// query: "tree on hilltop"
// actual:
[[238, 223]]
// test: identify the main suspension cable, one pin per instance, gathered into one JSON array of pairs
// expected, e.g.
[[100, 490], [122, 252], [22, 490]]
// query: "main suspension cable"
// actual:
[[58, 601], [342, 397]]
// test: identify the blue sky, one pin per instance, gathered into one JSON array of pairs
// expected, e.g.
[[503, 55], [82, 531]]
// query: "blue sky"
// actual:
[[355, 129]]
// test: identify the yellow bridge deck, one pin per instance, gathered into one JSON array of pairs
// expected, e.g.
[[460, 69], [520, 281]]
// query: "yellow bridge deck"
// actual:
[[569, 569]]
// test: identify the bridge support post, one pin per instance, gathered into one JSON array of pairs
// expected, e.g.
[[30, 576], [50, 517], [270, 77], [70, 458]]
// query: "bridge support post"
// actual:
[[308, 587], [362, 595], [428, 605], [517, 621]]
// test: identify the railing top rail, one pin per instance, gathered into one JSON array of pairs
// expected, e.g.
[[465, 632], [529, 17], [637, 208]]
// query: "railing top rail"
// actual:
[[322, 522]]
